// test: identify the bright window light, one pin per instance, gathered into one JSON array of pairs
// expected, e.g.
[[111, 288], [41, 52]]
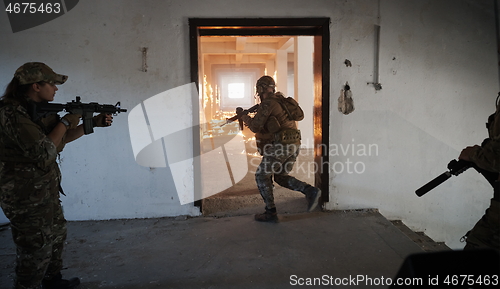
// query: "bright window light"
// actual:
[[236, 90]]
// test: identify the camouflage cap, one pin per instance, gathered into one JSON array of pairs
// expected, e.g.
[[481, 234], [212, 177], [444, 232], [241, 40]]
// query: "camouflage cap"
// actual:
[[32, 72]]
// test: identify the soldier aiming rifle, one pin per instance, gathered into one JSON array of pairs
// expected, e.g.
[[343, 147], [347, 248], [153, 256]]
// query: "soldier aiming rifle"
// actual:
[[32, 135]]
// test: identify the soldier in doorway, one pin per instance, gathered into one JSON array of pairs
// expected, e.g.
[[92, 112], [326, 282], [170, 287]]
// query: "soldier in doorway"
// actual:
[[486, 232], [278, 141], [30, 177]]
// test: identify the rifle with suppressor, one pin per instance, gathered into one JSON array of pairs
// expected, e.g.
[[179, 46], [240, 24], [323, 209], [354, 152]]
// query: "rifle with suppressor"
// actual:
[[86, 110], [238, 115], [455, 168]]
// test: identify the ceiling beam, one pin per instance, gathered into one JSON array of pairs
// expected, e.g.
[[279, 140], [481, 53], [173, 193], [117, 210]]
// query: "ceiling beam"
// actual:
[[240, 43], [239, 57], [228, 47], [231, 59], [285, 43]]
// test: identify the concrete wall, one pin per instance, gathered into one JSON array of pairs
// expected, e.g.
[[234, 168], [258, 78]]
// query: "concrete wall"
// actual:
[[437, 69], [439, 83]]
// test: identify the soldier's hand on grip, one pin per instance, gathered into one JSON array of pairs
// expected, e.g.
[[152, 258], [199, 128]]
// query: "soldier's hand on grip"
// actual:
[[102, 120], [467, 153], [241, 111]]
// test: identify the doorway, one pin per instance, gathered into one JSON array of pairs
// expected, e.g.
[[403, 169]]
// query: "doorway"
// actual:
[[230, 79]]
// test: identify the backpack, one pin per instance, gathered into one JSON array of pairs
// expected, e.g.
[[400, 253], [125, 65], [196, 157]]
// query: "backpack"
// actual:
[[291, 107]]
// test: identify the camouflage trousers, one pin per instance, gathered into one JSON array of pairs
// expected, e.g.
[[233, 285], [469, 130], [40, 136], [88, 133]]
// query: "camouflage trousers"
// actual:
[[277, 162], [38, 227], [486, 232]]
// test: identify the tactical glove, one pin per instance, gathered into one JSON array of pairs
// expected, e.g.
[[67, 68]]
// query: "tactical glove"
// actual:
[[100, 120], [240, 111]]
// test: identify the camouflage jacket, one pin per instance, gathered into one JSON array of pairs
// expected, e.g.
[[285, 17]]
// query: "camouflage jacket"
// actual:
[[268, 112], [487, 156], [25, 148]]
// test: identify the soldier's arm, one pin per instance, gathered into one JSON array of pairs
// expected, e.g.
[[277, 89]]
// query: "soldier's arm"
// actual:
[[57, 134], [487, 157], [74, 134], [28, 138], [256, 124]]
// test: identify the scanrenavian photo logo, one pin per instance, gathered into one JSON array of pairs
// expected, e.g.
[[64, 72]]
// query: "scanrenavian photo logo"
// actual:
[[28, 14]]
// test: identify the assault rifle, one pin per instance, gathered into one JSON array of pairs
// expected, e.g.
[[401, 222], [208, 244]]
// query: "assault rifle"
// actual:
[[239, 114], [87, 111], [454, 169]]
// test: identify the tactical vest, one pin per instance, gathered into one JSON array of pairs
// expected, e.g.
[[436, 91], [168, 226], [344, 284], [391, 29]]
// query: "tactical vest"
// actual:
[[295, 113]]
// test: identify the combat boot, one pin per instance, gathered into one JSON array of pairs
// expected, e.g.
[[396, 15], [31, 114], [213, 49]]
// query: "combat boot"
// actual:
[[312, 197], [270, 216], [57, 282]]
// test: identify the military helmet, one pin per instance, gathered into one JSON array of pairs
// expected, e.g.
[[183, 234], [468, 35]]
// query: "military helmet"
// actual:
[[266, 81], [32, 72]]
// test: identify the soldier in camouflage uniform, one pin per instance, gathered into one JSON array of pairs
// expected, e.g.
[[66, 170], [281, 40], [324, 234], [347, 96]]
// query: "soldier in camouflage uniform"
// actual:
[[30, 177], [278, 141], [486, 232]]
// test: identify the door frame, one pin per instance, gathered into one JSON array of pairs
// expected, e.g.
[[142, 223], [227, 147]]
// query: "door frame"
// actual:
[[318, 27]]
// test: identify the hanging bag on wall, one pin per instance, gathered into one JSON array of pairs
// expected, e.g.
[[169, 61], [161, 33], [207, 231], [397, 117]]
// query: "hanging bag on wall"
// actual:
[[346, 104]]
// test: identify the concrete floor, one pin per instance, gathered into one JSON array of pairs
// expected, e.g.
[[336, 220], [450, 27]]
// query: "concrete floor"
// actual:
[[228, 252], [228, 249]]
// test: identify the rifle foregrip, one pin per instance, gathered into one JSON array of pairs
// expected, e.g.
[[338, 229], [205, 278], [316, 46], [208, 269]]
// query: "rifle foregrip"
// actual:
[[240, 124], [432, 184]]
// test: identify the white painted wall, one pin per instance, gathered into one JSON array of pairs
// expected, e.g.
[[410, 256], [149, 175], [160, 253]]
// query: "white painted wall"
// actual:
[[437, 68], [439, 83]]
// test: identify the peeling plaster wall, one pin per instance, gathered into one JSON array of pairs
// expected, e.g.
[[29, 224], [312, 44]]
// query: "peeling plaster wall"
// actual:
[[437, 69]]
